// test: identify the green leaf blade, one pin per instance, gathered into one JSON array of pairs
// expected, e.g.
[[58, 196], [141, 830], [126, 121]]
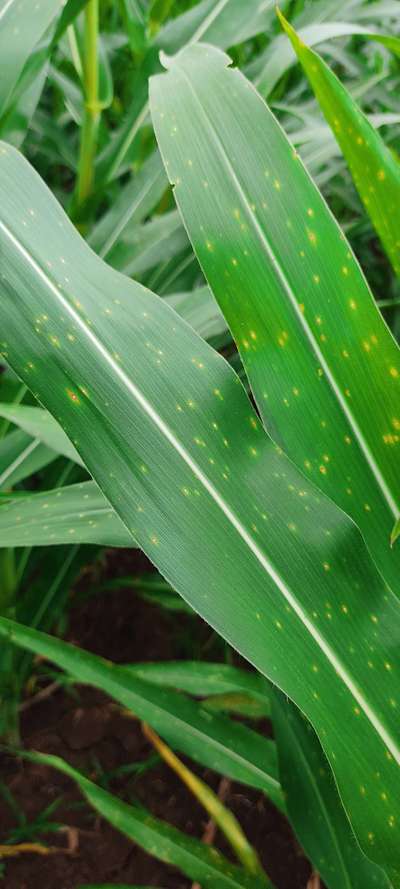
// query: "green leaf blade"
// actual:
[[325, 834], [324, 369], [75, 514], [167, 431], [210, 739], [157, 837], [375, 169]]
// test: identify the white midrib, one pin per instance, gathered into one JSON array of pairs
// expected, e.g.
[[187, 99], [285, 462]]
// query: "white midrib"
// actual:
[[5, 9], [19, 460], [276, 265], [169, 435]]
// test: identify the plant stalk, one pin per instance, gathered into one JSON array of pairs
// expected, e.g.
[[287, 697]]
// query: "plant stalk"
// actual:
[[92, 105]]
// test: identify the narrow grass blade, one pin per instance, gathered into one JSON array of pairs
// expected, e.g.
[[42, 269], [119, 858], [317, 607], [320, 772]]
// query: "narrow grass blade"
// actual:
[[167, 431], [223, 818], [220, 22], [213, 740], [374, 167], [323, 366], [202, 678], [157, 837], [279, 56]]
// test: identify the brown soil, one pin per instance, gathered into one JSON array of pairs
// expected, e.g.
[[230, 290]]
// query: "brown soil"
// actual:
[[87, 729]]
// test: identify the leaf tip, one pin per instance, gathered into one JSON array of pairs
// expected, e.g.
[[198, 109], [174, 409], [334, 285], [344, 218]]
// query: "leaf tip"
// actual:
[[395, 532]]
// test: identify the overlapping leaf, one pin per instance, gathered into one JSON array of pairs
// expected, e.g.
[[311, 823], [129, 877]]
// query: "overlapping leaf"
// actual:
[[375, 169], [324, 369], [158, 838], [75, 514], [40, 425], [314, 806], [167, 431], [211, 739]]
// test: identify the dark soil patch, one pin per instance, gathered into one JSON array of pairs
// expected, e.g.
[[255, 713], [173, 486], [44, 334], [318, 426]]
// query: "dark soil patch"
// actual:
[[89, 731]]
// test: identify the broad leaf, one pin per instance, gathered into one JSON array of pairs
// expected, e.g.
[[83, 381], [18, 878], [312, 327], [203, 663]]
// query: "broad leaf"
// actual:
[[211, 739], [157, 837], [222, 23], [323, 367], [167, 431]]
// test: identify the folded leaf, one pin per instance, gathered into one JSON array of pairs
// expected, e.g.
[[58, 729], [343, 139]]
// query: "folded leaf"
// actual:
[[202, 678], [323, 367], [167, 431]]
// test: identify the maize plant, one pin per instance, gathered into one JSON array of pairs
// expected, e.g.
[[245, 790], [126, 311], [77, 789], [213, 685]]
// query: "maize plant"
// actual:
[[194, 198]]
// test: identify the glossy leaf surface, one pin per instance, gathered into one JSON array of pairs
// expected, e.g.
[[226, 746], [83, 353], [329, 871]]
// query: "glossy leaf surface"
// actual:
[[167, 431], [323, 367]]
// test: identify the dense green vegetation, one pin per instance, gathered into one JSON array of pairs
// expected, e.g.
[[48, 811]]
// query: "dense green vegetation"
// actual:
[[200, 248]]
